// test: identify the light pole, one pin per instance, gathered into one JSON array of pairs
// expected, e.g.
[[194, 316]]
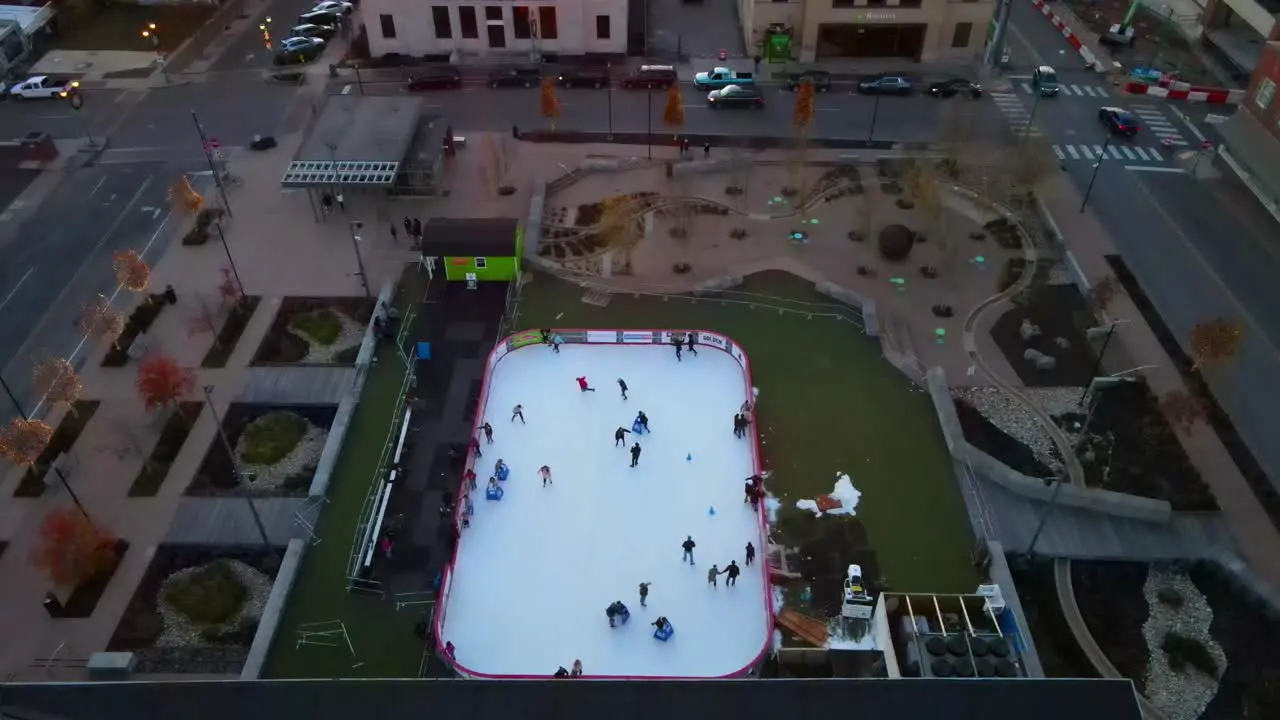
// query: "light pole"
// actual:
[[213, 167], [609, 99], [76, 99], [231, 455], [150, 33], [648, 135], [875, 113], [355, 245], [1096, 167], [226, 249], [56, 470]]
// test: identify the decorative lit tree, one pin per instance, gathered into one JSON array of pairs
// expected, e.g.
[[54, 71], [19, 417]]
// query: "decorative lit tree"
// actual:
[[22, 440], [1213, 341], [1183, 409], [673, 113], [550, 101], [56, 380], [162, 382], [99, 321], [72, 549], [132, 272], [183, 196]]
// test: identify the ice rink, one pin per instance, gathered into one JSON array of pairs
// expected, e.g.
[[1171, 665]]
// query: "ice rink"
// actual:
[[536, 570]]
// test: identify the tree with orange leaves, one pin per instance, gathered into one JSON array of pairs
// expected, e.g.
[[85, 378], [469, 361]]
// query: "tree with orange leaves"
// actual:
[[184, 197], [132, 272], [550, 101], [1213, 341], [72, 549], [22, 440], [673, 113], [99, 321], [57, 381], [162, 381]]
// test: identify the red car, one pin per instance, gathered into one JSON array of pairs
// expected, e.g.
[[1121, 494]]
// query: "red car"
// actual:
[[1119, 121]]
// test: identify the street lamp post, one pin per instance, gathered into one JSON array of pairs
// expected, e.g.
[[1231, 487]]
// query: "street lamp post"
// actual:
[[355, 245], [1096, 167], [75, 98], [56, 470], [231, 455], [609, 100], [1057, 488], [875, 113], [1097, 361], [226, 249], [150, 33], [213, 167], [648, 135]]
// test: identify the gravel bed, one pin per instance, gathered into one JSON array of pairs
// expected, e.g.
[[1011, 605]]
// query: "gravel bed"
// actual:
[[180, 631], [1178, 695], [303, 458], [1013, 418], [352, 334]]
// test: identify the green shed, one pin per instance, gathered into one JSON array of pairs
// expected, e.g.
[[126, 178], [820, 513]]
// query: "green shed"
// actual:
[[480, 249]]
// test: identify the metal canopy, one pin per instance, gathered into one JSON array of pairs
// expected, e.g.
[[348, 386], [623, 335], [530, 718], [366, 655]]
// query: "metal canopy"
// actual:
[[310, 173]]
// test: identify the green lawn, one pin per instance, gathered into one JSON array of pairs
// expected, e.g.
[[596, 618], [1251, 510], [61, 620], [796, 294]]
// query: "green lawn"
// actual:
[[828, 403]]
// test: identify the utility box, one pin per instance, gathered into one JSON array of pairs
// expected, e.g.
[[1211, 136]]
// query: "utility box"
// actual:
[[108, 666]]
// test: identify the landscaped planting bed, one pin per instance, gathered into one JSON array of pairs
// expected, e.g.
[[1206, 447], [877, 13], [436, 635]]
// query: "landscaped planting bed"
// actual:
[[65, 435], [1110, 598], [1060, 654], [172, 436], [224, 343], [197, 609], [137, 324], [1250, 637], [1047, 320], [83, 600], [322, 331], [985, 436], [278, 446]]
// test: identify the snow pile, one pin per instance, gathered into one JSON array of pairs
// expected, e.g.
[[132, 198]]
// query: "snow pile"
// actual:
[[843, 500], [771, 505]]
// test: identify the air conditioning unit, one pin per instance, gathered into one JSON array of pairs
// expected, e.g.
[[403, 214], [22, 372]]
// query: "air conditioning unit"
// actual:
[[994, 598]]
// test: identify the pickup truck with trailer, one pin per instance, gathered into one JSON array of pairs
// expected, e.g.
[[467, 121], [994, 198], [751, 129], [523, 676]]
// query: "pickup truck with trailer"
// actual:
[[42, 86], [722, 77]]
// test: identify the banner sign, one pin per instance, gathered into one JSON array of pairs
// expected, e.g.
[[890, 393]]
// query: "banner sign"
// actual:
[[498, 352], [637, 337], [712, 339], [737, 355]]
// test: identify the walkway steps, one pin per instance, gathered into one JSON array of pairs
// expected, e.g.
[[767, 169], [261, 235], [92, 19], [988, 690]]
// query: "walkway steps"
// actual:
[[811, 630], [297, 385], [228, 521]]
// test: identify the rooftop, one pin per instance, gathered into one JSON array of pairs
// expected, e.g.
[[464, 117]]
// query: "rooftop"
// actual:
[[356, 140], [460, 237]]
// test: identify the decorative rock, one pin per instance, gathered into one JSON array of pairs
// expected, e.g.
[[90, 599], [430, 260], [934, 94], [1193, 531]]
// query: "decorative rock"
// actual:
[[1178, 695], [1062, 342], [1028, 329], [1039, 359]]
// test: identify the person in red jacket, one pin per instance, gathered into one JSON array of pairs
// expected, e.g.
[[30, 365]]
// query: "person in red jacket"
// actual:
[[583, 386]]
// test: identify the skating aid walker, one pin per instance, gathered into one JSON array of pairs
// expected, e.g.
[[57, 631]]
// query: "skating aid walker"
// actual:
[[665, 632]]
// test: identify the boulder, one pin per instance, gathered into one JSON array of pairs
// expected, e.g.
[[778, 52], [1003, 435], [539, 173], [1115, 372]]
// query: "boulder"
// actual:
[[1028, 329], [1039, 359]]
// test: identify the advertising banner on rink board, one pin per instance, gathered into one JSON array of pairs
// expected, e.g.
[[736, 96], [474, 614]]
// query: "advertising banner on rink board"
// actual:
[[602, 336], [737, 354], [712, 339], [637, 337], [497, 354]]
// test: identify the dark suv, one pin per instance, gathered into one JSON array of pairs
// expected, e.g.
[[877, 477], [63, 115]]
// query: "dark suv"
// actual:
[[651, 76], [821, 80], [516, 77], [592, 77], [438, 77]]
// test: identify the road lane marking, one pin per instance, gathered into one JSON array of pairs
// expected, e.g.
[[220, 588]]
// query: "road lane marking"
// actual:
[[98, 186], [1153, 168], [1059, 153], [21, 280]]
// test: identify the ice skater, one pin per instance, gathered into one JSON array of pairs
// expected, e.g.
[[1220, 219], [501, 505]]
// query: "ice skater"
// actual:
[[500, 468], [692, 340], [731, 574], [713, 576], [644, 593], [661, 623], [562, 673], [488, 432], [583, 386], [688, 546], [739, 425], [493, 485], [617, 612], [470, 477], [635, 455], [475, 447], [546, 335], [545, 472], [517, 412], [576, 672], [642, 421], [751, 553], [620, 437], [748, 491], [556, 342], [622, 385], [678, 342]]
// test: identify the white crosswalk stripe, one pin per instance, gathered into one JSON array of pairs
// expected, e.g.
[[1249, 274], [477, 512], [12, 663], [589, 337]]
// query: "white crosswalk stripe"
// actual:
[[1131, 153], [1073, 90], [1016, 114], [1155, 122]]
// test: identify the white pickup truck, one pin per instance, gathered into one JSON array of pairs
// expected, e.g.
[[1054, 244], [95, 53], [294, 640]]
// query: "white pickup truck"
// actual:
[[42, 86]]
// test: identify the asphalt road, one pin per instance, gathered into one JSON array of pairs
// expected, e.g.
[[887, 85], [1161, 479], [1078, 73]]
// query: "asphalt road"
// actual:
[[247, 50], [1199, 249], [56, 117]]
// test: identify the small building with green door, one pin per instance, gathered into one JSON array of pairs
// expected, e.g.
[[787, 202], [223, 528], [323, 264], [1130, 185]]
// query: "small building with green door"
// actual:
[[482, 249]]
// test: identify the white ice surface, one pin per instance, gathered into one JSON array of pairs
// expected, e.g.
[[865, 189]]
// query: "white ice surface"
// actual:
[[536, 570]]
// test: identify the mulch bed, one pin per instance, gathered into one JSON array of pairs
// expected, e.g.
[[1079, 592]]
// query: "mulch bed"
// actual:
[[1056, 310], [64, 437], [281, 347], [136, 325], [1135, 451], [985, 436], [141, 625], [1110, 598], [1215, 416], [224, 343], [217, 474], [84, 598], [172, 436], [1251, 639], [1060, 654]]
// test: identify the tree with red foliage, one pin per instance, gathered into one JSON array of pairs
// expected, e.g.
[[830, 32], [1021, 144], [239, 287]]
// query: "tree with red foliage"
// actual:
[[72, 549], [22, 440], [162, 381]]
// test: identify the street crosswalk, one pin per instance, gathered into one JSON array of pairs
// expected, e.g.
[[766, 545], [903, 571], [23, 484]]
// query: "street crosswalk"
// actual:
[[1015, 113], [1154, 122], [1131, 153], [1096, 91]]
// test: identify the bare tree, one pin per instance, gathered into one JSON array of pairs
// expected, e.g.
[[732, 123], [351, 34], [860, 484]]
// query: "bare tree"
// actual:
[[622, 226], [1026, 166], [496, 163]]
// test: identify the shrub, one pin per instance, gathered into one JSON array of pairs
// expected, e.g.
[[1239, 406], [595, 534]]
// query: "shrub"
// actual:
[[273, 436], [210, 595], [321, 325], [896, 242], [1005, 233], [1183, 652], [1170, 598]]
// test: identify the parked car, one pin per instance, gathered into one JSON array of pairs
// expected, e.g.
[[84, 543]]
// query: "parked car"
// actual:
[[317, 17], [436, 77], [722, 77], [886, 85], [651, 76], [516, 77], [294, 44], [956, 86], [1044, 80], [306, 30], [820, 79], [42, 86], [334, 8], [592, 77], [1119, 121], [300, 56], [736, 96]]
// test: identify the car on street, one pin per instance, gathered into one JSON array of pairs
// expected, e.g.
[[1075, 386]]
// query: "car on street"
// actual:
[[722, 77], [516, 77], [1044, 80], [307, 30], [437, 77], [317, 17], [295, 44], [820, 79], [589, 77], [748, 96], [886, 85], [956, 86], [42, 86], [1119, 121], [298, 53], [334, 8], [651, 76]]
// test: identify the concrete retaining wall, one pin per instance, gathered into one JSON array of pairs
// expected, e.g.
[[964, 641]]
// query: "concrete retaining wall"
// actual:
[[533, 222], [1092, 499], [271, 614]]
